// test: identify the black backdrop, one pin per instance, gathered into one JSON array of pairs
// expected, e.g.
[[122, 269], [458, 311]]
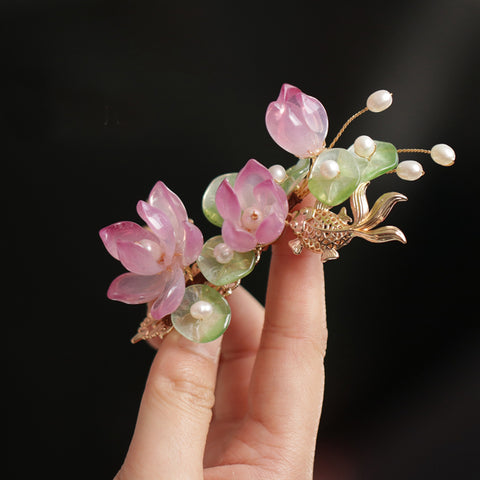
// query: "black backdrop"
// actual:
[[107, 97]]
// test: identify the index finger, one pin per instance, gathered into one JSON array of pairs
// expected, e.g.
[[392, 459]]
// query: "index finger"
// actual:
[[288, 379]]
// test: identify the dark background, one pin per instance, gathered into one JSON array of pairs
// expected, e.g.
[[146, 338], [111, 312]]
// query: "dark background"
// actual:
[[104, 98]]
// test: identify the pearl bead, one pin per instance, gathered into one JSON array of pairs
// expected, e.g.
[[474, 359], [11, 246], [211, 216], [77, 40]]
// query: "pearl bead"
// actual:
[[409, 170], [364, 146], [443, 154], [278, 173], [329, 169], [379, 101], [223, 253], [251, 218], [201, 310]]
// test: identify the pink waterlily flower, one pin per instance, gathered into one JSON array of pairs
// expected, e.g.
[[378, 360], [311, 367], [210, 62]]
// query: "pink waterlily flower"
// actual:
[[155, 255], [254, 210], [297, 122]]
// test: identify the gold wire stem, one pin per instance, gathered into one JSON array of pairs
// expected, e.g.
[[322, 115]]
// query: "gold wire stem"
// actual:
[[346, 124], [414, 150]]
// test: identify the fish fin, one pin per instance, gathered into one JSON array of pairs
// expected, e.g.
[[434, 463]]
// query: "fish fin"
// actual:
[[359, 203], [342, 215], [329, 254], [321, 206], [296, 246], [381, 234], [380, 210]]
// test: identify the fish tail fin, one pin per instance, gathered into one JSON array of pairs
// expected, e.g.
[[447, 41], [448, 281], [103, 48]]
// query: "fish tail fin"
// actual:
[[381, 234], [380, 210]]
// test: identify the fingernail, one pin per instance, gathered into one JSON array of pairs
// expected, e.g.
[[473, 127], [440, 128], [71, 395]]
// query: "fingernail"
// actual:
[[209, 349]]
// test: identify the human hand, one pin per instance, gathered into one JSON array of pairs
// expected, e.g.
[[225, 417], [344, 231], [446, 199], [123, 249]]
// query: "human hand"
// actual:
[[246, 406]]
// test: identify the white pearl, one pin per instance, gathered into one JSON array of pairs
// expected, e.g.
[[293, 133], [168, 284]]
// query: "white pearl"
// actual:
[[443, 154], [364, 146], [252, 218], [409, 170], [329, 169], [223, 253], [201, 310], [379, 101], [278, 173]]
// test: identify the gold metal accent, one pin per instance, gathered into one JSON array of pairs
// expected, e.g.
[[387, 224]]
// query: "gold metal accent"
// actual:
[[346, 124], [151, 328], [325, 232], [414, 150]]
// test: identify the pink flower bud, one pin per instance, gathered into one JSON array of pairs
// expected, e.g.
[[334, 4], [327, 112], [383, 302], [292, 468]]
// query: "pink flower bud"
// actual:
[[297, 122]]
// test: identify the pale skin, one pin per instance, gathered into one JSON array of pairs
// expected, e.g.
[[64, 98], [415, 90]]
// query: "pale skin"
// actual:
[[246, 406]]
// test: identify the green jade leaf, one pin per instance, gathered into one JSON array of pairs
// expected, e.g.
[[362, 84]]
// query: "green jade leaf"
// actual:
[[208, 201], [382, 161], [224, 273], [211, 326], [335, 191], [295, 175]]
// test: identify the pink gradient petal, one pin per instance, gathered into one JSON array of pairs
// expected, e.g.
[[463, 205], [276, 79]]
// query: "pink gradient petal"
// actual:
[[297, 122], [171, 294], [160, 225], [123, 231], [193, 243], [135, 289], [227, 202], [164, 199], [237, 238], [270, 197], [248, 177], [143, 258], [287, 92], [270, 229]]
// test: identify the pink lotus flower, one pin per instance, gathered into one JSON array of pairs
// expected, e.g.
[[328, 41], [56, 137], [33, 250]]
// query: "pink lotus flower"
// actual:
[[155, 256], [254, 210], [297, 122]]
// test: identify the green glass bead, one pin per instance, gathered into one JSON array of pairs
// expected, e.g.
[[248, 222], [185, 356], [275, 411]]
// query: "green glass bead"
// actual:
[[218, 273], [382, 161], [203, 314], [208, 201], [295, 175], [335, 190]]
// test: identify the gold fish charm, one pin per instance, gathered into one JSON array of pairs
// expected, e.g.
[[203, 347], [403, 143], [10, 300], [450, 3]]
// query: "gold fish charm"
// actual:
[[324, 232]]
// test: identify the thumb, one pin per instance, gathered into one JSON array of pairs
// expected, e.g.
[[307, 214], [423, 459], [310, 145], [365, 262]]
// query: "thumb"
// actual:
[[175, 412]]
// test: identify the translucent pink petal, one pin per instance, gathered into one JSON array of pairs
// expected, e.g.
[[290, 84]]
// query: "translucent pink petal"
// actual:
[[287, 92], [193, 243], [161, 226], [227, 202], [270, 197], [164, 199], [134, 289], [297, 122], [248, 178], [270, 229], [237, 238], [143, 258], [123, 231], [171, 294]]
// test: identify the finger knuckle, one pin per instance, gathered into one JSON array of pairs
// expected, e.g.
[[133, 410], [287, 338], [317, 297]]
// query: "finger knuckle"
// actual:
[[182, 388]]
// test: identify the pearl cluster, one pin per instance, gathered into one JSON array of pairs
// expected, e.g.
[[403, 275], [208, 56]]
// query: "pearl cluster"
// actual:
[[412, 170]]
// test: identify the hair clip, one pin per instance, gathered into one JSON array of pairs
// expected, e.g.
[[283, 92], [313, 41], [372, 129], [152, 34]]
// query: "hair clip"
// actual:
[[184, 281]]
